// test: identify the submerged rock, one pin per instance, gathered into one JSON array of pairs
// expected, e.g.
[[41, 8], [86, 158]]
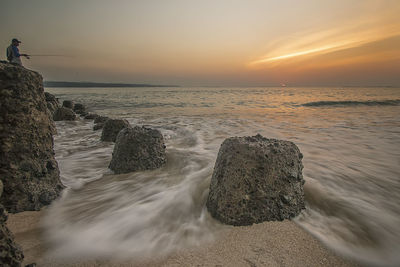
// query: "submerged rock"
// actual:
[[91, 116], [68, 104], [10, 253], [137, 149], [28, 168], [256, 179], [111, 129], [64, 114]]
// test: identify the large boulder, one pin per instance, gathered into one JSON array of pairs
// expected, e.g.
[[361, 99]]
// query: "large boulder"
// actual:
[[28, 168], [64, 114], [10, 253], [51, 102], [111, 129], [256, 179], [137, 149]]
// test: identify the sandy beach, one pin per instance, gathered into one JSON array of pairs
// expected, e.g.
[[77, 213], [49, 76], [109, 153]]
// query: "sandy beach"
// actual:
[[265, 244]]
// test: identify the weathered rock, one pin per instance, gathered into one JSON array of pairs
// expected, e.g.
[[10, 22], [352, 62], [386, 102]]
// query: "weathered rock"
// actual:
[[256, 179], [91, 116], [83, 113], [111, 129], [28, 168], [1, 188], [52, 103], [101, 119], [68, 104], [10, 253], [64, 114], [50, 98], [98, 126], [79, 108], [136, 149]]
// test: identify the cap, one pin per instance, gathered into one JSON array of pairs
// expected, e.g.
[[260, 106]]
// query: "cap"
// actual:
[[15, 40]]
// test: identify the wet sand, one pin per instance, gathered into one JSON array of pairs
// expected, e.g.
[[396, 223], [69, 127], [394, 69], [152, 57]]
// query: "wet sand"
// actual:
[[266, 244]]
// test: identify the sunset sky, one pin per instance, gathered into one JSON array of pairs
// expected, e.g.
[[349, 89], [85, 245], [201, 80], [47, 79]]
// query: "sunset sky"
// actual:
[[225, 42]]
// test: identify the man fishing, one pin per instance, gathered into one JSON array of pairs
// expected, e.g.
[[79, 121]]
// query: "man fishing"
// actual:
[[13, 54]]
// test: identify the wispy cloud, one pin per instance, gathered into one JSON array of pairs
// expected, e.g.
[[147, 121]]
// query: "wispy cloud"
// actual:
[[306, 45]]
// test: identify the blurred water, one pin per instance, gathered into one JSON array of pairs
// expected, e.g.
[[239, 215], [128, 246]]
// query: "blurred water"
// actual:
[[350, 138]]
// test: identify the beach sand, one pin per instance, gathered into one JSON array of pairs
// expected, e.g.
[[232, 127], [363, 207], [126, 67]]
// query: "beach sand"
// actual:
[[265, 244]]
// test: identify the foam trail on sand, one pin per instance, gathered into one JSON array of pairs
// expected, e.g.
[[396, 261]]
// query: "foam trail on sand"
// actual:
[[137, 214], [349, 138]]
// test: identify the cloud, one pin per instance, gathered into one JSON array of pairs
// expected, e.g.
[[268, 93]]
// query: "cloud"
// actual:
[[301, 47]]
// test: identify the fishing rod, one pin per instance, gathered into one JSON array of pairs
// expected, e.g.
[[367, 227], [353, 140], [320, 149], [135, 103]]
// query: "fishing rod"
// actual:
[[43, 55], [48, 56]]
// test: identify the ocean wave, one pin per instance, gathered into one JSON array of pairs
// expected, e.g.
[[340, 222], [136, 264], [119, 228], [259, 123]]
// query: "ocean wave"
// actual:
[[340, 220], [353, 103]]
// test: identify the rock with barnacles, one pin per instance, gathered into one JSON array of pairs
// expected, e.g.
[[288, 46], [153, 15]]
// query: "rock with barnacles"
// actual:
[[138, 149], [256, 179], [111, 129]]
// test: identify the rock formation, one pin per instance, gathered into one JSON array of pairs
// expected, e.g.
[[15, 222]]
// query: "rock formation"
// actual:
[[64, 114], [91, 116], [256, 179], [28, 169], [52, 103], [10, 253], [136, 149], [111, 129]]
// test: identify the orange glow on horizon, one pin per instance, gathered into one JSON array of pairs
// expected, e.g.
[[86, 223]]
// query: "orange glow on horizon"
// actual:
[[357, 43], [209, 42]]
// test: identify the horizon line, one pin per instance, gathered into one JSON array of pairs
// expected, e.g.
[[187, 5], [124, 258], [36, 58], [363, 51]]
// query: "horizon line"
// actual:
[[129, 84]]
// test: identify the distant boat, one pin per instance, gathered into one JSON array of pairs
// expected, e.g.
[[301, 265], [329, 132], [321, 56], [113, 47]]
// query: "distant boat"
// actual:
[[283, 84]]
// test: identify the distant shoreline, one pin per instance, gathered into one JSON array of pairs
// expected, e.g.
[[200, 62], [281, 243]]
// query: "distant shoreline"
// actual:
[[104, 85], [56, 84]]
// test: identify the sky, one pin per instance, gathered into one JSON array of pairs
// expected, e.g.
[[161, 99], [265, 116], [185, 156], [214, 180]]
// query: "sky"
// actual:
[[218, 42]]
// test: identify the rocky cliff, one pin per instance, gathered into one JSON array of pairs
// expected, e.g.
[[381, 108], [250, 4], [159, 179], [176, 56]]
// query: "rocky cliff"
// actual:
[[28, 168], [10, 252]]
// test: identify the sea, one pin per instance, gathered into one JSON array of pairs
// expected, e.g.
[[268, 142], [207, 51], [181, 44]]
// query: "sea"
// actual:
[[349, 136]]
